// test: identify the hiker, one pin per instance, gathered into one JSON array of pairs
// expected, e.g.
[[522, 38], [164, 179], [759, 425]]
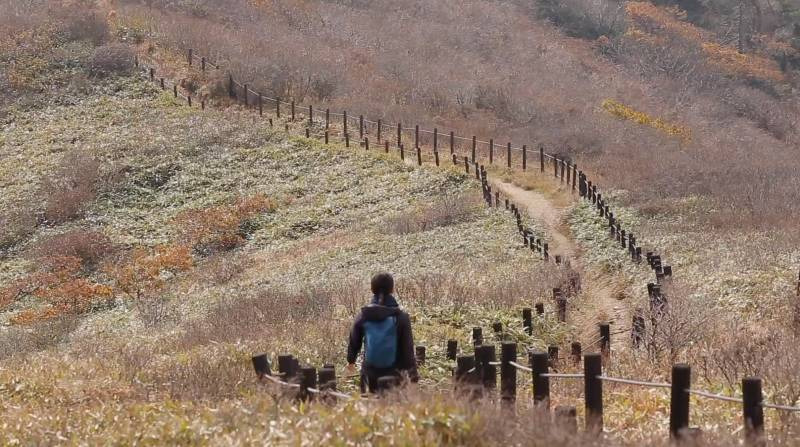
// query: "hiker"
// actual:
[[385, 331]]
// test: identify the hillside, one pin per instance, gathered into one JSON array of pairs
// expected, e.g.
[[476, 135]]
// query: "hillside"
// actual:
[[150, 247]]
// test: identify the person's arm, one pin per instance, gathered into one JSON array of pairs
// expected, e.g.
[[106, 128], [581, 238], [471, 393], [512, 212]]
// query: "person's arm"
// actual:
[[356, 338], [408, 359]]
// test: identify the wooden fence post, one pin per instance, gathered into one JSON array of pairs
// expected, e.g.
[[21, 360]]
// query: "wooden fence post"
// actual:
[[344, 121], [527, 320], [292, 110], [576, 353], [278, 106], [379, 130], [679, 400], [261, 365], [346, 139], [574, 175], [361, 126], [477, 336], [524, 157], [539, 363], [486, 356], [491, 151], [327, 118], [436, 157], [326, 137], [508, 155], [605, 339], [539, 309], [420, 354], [508, 372], [386, 146], [189, 56], [452, 142], [497, 327], [261, 105], [466, 164], [541, 157], [366, 144], [452, 349], [286, 367], [416, 135], [327, 378], [310, 115], [399, 134], [753, 411], [308, 379], [419, 156], [593, 391], [474, 146], [435, 139]]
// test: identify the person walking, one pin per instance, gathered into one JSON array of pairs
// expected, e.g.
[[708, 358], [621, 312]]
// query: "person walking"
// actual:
[[384, 330]]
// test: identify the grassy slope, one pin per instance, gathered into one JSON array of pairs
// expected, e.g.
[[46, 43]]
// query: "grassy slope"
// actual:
[[185, 380]]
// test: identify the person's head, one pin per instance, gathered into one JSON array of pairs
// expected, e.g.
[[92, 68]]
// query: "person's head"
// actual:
[[382, 285]]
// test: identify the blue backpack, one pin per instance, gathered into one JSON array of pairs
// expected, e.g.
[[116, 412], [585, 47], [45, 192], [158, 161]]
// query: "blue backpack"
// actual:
[[380, 339]]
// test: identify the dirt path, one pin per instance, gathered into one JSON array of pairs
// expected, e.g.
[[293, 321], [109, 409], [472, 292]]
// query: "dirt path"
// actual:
[[600, 290]]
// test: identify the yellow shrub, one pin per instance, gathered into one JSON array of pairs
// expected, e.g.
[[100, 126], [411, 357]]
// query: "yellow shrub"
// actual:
[[624, 112]]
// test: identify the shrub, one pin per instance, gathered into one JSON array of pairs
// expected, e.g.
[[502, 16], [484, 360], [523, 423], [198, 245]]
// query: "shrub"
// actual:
[[447, 211], [15, 226], [111, 59], [222, 227], [584, 18], [145, 272], [90, 247], [71, 188]]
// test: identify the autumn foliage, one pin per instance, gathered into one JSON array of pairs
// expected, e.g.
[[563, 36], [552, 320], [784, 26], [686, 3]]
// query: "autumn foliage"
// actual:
[[222, 227], [147, 271]]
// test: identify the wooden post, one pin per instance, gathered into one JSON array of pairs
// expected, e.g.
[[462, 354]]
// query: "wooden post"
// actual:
[[420, 354], [562, 308], [491, 151], [435, 139], [346, 139], [605, 339], [419, 156], [246, 96], [203, 63], [452, 349], [327, 378], [539, 309], [326, 137], [524, 157], [189, 100], [293, 110], [527, 320], [366, 144], [261, 105], [361, 126], [286, 367], [466, 164], [593, 391], [574, 175], [386, 146], [308, 379], [508, 372], [477, 336], [569, 172], [679, 400], [327, 118], [508, 155], [436, 157], [399, 134], [541, 384], [278, 106], [344, 121], [485, 356], [310, 115], [379, 130], [576, 353], [552, 355], [416, 135], [752, 411], [474, 146], [152, 74], [261, 365], [464, 379], [189, 56], [452, 142]]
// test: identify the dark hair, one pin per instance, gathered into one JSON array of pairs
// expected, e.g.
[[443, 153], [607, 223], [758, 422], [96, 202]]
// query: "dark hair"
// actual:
[[382, 285]]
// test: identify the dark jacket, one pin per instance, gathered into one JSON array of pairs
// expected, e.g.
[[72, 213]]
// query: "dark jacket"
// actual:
[[406, 360]]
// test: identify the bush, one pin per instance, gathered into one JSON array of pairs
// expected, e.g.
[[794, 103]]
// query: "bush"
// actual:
[[111, 59], [71, 188], [15, 226], [448, 211], [584, 18], [91, 247]]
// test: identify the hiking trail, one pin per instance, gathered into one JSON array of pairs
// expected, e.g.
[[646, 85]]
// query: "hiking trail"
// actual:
[[599, 289]]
